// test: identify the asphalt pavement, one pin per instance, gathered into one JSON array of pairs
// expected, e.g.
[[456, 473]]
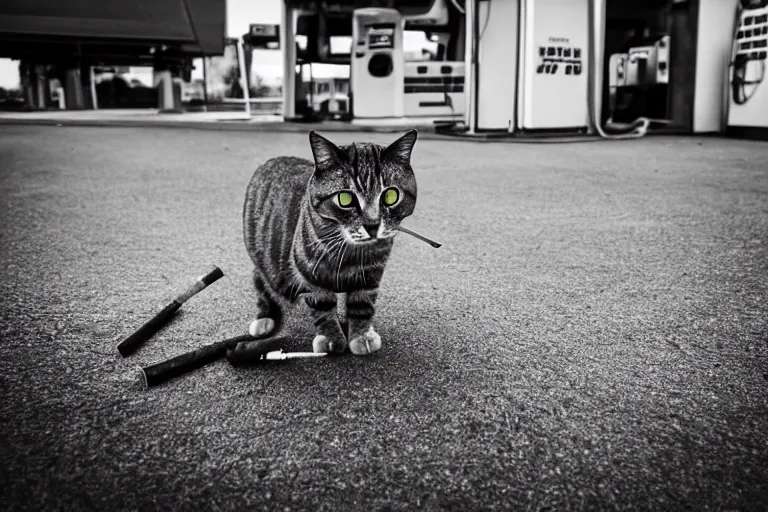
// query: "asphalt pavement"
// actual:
[[593, 333]]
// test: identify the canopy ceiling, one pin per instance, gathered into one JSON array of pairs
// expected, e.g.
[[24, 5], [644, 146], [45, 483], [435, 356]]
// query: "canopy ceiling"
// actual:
[[109, 21]]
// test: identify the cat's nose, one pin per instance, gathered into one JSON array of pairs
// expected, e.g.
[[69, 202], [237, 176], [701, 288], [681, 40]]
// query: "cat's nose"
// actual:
[[371, 229]]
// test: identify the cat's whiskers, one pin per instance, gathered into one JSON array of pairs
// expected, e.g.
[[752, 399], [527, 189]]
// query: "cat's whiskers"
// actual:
[[315, 243], [318, 243], [323, 238]]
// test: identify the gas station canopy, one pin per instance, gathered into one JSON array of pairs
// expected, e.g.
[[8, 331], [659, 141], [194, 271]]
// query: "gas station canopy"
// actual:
[[196, 27]]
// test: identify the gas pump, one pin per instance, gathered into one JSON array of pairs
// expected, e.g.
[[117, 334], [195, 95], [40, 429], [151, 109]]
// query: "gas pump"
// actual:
[[378, 62], [649, 64], [434, 89], [638, 80], [529, 70], [748, 98], [554, 65], [617, 80], [537, 65]]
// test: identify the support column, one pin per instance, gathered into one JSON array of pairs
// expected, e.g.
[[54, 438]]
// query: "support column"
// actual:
[[684, 22], [164, 85], [205, 84], [596, 61], [74, 98], [470, 72], [87, 79], [168, 89], [244, 78], [288, 44], [41, 87], [248, 58], [33, 80]]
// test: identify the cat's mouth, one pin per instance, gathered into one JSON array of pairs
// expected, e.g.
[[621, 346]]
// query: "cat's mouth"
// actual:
[[359, 240], [363, 236]]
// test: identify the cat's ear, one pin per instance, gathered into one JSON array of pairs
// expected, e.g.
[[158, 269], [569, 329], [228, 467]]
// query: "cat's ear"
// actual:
[[326, 153], [400, 150]]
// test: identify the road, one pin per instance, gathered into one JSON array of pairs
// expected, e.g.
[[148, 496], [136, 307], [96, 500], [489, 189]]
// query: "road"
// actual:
[[593, 334]]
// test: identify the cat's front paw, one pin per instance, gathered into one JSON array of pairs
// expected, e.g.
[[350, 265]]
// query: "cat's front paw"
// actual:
[[365, 344], [261, 327], [329, 345]]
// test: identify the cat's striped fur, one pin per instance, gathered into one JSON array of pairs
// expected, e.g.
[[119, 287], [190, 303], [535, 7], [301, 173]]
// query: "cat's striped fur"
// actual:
[[304, 243]]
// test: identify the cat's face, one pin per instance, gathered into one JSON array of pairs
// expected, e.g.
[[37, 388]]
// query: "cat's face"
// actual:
[[364, 189]]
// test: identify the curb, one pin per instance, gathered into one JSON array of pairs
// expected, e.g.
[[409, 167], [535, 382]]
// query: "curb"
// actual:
[[425, 132], [223, 125]]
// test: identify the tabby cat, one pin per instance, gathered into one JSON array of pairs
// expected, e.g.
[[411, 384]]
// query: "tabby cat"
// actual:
[[315, 230]]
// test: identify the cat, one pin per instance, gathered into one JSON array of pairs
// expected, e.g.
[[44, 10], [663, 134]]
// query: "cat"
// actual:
[[317, 229]]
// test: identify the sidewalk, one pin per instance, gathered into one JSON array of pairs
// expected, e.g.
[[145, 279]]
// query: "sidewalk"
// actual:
[[261, 122], [199, 120]]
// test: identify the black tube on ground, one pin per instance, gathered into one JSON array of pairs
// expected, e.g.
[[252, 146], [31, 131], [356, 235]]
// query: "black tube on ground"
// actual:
[[146, 331], [131, 343], [185, 363]]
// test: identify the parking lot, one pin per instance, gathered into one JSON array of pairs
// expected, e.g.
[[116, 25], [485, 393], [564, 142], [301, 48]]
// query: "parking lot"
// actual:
[[593, 333]]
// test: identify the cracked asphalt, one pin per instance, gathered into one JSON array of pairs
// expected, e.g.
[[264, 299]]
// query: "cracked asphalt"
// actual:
[[593, 334]]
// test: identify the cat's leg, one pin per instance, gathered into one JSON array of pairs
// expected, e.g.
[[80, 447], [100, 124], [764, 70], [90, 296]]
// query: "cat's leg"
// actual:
[[363, 340], [268, 312], [329, 336]]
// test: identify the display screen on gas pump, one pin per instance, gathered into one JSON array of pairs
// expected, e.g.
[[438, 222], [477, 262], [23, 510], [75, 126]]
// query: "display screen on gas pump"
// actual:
[[381, 38]]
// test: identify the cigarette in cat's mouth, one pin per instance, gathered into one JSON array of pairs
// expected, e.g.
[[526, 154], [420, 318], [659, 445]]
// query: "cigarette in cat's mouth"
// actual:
[[422, 238]]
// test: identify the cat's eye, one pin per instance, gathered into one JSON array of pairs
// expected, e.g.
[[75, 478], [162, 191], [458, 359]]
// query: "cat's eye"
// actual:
[[344, 199], [390, 197]]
